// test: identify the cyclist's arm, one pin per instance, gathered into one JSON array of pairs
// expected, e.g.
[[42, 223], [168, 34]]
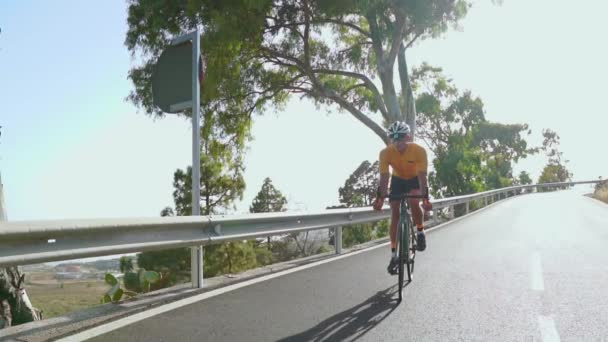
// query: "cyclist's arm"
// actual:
[[421, 170], [422, 180], [383, 185], [384, 175]]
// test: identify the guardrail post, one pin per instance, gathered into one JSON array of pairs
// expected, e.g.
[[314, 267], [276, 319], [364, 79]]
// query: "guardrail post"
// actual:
[[466, 210], [485, 201], [338, 239], [196, 266], [435, 214], [451, 211]]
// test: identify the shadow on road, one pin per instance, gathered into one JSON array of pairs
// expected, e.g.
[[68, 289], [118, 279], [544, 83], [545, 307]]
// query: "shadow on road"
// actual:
[[352, 324]]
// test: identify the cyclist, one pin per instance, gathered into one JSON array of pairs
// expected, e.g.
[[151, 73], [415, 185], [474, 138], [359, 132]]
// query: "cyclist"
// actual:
[[408, 161]]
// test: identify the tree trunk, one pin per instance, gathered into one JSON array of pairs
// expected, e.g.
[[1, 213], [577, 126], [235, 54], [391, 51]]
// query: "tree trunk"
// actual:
[[15, 306], [409, 105]]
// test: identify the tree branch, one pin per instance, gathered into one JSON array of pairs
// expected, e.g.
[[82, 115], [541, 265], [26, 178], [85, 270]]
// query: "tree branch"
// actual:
[[413, 40], [396, 41], [347, 90], [376, 38], [355, 112], [343, 23], [370, 85], [278, 54], [318, 21], [306, 34]]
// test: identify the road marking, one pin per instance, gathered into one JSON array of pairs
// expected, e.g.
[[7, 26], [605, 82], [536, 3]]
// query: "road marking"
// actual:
[[536, 273], [111, 326], [548, 331], [102, 329]]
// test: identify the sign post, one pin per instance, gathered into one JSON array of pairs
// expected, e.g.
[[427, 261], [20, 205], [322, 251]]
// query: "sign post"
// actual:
[[176, 87]]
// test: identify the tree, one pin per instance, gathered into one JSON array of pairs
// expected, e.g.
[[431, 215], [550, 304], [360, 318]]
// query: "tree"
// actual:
[[555, 170], [230, 257], [360, 188], [524, 178], [221, 169], [167, 211], [258, 53], [554, 173], [268, 200], [471, 153], [222, 145]]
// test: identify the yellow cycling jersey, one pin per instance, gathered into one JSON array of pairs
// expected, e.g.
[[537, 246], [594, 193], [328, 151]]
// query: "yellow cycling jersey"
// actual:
[[405, 165]]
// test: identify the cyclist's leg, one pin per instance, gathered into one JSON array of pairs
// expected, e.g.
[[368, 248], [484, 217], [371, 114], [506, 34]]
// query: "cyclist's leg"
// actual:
[[413, 189], [397, 188], [416, 210], [417, 215], [394, 223]]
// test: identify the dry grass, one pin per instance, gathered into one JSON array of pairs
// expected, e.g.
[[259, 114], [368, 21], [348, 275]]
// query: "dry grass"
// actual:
[[602, 194], [56, 298]]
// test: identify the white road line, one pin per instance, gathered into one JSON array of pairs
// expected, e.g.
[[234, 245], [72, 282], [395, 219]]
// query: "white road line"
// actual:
[[536, 273], [102, 329], [111, 326], [548, 331]]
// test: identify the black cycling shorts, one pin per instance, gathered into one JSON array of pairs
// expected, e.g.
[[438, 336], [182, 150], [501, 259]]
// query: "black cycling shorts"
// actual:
[[400, 186]]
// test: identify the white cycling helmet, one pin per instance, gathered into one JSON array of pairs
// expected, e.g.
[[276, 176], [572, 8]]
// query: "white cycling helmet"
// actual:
[[398, 128]]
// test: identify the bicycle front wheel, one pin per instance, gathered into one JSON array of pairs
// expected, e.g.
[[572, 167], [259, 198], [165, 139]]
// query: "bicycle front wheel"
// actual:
[[402, 255], [411, 251]]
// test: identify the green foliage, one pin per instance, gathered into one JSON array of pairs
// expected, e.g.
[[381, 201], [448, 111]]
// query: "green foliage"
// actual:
[[263, 255], [555, 170], [259, 52], [131, 282], [141, 282], [360, 188], [382, 229], [229, 257], [284, 250], [471, 153], [323, 249], [553, 173], [126, 264], [221, 168], [524, 178], [175, 262], [222, 144], [269, 199], [357, 234]]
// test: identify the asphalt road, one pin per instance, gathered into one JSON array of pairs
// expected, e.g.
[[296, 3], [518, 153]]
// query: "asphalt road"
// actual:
[[531, 268]]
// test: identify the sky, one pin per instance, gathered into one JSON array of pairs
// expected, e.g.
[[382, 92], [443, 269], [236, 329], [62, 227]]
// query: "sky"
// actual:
[[73, 147]]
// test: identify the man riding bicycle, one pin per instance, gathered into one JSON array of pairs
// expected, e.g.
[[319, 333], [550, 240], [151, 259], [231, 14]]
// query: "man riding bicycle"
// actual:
[[409, 163]]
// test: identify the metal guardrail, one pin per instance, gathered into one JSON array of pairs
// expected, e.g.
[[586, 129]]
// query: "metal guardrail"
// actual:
[[29, 242]]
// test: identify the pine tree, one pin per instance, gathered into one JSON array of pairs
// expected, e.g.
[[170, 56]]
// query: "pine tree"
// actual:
[[268, 200]]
